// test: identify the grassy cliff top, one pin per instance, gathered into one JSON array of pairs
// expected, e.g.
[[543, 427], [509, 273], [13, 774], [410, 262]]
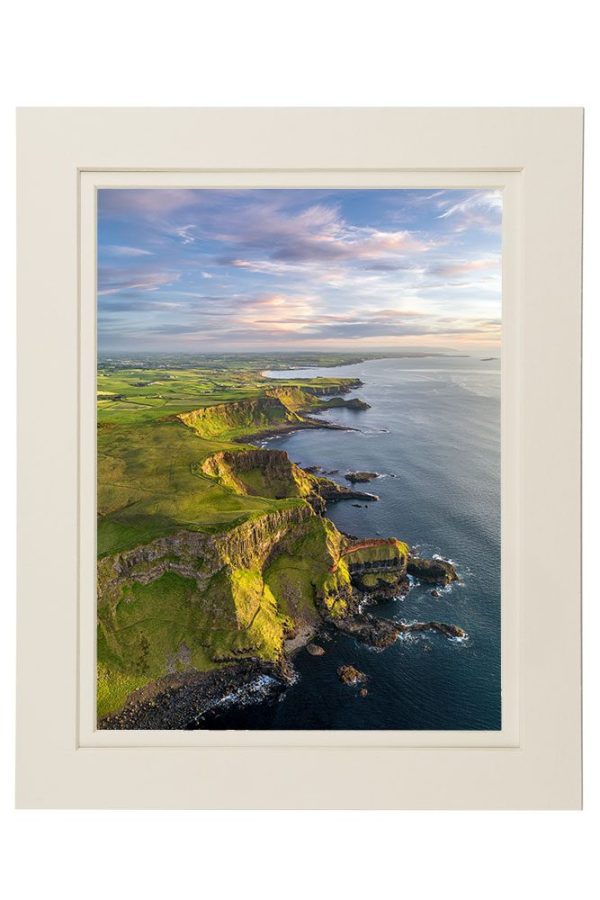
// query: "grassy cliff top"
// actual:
[[195, 571], [157, 426], [147, 395]]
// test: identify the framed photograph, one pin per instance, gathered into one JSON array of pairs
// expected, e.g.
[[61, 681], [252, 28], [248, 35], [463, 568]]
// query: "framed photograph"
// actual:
[[299, 449]]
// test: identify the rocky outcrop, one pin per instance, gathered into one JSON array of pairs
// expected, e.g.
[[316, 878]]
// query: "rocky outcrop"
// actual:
[[378, 633], [432, 571], [451, 631], [271, 473], [379, 569], [376, 567], [382, 633], [331, 492], [259, 472], [343, 386], [357, 477], [351, 675], [341, 403]]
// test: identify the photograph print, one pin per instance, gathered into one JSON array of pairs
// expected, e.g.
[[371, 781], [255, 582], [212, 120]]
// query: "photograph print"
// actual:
[[298, 458]]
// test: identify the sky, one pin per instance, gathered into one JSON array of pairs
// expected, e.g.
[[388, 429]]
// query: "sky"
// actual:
[[204, 271]]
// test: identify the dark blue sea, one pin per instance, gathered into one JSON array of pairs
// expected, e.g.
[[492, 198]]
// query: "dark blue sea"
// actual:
[[433, 434]]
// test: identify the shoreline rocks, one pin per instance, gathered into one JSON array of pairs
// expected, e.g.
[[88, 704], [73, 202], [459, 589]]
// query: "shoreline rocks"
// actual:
[[350, 675], [355, 403], [382, 633], [360, 477], [180, 699], [443, 628], [431, 571], [177, 701], [331, 492]]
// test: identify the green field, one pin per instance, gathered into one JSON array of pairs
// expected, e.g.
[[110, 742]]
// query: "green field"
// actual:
[[171, 465], [150, 480]]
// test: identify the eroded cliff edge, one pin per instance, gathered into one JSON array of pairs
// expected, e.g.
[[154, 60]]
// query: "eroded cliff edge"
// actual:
[[190, 617]]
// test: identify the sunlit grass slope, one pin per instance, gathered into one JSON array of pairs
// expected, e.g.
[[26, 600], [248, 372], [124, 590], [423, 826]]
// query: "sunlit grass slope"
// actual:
[[150, 480], [254, 559]]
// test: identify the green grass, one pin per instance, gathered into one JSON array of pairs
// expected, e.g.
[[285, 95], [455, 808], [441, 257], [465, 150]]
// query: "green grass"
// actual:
[[298, 576], [150, 483], [381, 551], [373, 580], [260, 473], [167, 626], [156, 428]]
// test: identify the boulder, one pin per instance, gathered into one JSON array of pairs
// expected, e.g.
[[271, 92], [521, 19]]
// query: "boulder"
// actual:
[[431, 571], [351, 675]]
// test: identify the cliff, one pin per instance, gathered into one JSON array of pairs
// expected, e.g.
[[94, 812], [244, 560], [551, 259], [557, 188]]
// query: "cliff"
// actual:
[[228, 420], [189, 601], [175, 610], [271, 473], [215, 557], [280, 408], [307, 399]]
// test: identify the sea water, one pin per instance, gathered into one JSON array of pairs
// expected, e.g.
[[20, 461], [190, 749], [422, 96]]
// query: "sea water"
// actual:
[[433, 435]]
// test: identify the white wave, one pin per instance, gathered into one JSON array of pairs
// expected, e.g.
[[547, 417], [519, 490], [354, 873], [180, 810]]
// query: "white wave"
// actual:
[[464, 639], [258, 689]]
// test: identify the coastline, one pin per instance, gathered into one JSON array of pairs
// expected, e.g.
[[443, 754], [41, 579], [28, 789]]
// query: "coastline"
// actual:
[[407, 355], [178, 701], [266, 433], [303, 637], [181, 700]]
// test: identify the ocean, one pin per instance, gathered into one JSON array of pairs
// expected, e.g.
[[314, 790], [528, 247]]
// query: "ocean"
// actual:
[[433, 435]]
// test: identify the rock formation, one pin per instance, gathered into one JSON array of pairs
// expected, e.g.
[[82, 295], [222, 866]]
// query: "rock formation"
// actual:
[[351, 675]]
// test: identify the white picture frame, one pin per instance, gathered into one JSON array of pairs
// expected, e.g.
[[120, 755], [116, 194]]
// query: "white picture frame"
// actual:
[[64, 156]]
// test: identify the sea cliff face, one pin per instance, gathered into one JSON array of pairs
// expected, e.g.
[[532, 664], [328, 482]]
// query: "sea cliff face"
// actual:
[[175, 609], [226, 420], [279, 409], [195, 555], [191, 601], [271, 473]]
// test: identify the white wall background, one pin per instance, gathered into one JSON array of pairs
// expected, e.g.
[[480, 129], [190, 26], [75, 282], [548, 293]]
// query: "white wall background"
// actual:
[[314, 52]]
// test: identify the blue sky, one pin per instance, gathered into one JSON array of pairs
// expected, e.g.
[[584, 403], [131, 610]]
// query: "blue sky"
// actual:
[[263, 270]]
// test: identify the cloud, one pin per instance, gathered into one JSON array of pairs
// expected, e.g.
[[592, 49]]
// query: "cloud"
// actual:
[[482, 209], [274, 236], [298, 266], [117, 250], [145, 201], [114, 281], [463, 267], [184, 233]]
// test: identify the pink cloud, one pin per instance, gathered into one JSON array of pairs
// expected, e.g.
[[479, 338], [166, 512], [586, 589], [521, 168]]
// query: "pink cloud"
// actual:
[[462, 267]]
